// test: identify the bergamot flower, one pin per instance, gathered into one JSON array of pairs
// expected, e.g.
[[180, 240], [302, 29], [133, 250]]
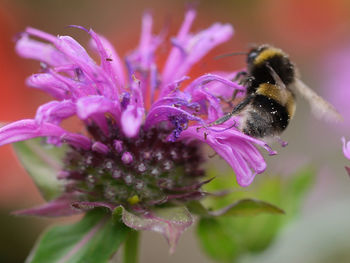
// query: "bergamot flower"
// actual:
[[143, 125]]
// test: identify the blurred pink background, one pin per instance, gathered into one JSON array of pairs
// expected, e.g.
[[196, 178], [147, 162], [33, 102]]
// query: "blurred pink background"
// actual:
[[310, 31]]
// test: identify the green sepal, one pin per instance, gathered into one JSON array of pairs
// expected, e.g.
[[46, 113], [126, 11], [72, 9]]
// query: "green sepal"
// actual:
[[170, 222]]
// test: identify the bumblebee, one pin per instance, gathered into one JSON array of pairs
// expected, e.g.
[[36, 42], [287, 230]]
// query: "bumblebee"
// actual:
[[271, 81]]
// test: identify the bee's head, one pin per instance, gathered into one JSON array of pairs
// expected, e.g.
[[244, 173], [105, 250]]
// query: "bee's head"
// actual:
[[254, 52]]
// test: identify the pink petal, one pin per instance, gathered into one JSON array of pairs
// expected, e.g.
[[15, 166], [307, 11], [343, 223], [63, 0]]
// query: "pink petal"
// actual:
[[210, 78], [28, 129], [222, 89], [175, 55], [55, 111], [95, 104], [113, 64], [29, 48], [131, 120], [346, 148], [236, 148], [47, 83], [190, 49], [162, 113]]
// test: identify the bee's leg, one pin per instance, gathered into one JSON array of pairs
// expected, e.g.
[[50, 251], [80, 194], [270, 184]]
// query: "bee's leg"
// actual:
[[247, 81], [234, 94], [229, 101], [235, 111], [239, 75], [221, 120]]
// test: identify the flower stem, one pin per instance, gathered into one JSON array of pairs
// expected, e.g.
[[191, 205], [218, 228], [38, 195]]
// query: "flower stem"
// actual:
[[131, 247]]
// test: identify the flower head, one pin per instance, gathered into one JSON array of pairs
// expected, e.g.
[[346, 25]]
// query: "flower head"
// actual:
[[143, 126]]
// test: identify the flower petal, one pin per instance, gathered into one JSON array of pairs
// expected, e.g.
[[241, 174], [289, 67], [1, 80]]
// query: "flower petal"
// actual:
[[47, 83], [235, 147], [55, 111], [79, 57], [95, 104], [175, 55], [346, 148], [214, 110], [347, 169], [132, 117], [192, 48], [131, 120], [173, 86], [110, 59], [162, 113], [29, 48], [224, 89], [76, 140], [28, 129], [208, 78]]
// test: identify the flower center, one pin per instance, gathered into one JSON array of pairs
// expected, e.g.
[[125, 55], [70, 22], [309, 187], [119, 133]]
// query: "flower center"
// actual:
[[146, 170]]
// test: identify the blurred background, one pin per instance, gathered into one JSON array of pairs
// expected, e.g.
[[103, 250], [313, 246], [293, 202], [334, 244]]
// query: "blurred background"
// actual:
[[315, 33]]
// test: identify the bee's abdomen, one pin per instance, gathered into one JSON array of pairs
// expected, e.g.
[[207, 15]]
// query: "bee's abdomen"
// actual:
[[265, 117]]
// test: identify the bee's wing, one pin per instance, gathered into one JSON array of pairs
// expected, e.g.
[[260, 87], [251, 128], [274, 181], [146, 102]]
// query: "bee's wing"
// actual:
[[275, 76], [319, 107]]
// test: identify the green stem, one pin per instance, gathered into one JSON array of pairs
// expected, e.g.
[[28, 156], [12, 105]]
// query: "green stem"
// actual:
[[131, 247]]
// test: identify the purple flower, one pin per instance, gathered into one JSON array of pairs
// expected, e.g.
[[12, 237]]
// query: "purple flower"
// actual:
[[346, 148], [131, 155], [346, 151], [335, 72]]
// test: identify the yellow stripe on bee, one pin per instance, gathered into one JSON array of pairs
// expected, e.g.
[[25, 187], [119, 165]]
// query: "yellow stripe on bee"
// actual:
[[291, 106], [279, 94], [267, 54]]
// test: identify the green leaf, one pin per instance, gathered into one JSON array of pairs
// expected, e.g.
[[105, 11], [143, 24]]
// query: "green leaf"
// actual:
[[196, 207], [95, 238], [318, 237], [248, 207], [42, 162], [247, 234], [243, 207]]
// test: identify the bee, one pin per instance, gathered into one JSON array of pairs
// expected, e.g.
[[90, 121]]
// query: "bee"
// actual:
[[271, 81]]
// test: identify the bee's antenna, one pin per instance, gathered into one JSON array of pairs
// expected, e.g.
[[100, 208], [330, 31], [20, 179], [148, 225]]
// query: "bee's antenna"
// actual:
[[230, 54]]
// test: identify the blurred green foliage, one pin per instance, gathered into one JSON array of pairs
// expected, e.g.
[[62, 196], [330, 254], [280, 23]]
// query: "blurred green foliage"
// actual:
[[93, 239], [42, 162], [226, 239]]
